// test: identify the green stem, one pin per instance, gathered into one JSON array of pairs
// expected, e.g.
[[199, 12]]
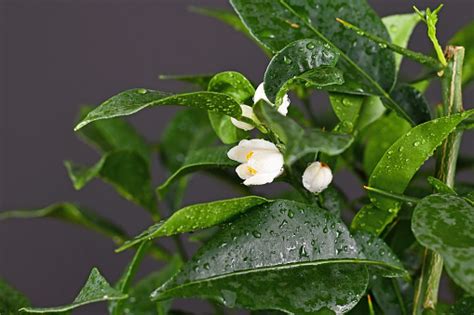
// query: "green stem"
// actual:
[[392, 195], [416, 56], [426, 292]]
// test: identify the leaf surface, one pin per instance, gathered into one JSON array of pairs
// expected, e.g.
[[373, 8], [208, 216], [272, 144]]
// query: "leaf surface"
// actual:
[[11, 300]]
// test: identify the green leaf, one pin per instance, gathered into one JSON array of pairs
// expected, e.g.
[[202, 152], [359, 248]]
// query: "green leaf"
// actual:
[[371, 110], [347, 108], [96, 289], [123, 284], [238, 87], [205, 158], [112, 135], [403, 159], [400, 27], [139, 302], [200, 80], [333, 199], [189, 130], [127, 171], [295, 59], [369, 218], [388, 294], [381, 135], [196, 217], [439, 186], [443, 223], [132, 101], [465, 38], [413, 103], [275, 24], [71, 213], [243, 266], [10, 299], [462, 307], [298, 141]]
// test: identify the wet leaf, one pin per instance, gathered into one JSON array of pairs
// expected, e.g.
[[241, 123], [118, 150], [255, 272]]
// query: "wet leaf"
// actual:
[[403, 159], [333, 199], [10, 299], [369, 218], [96, 289], [294, 60], [196, 217], [439, 186], [299, 141], [205, 158], [71, 213], [132, 101], [238, 87], [462, 307], [314, 264], [347, 108], [127, 171], [413, 102], [443, 223], [199, 80], [465, 38]]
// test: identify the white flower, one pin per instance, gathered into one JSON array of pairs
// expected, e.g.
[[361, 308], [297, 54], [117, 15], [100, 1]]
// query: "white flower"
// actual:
[[261, 161], [247, 111], [260, 95], [317, 177]]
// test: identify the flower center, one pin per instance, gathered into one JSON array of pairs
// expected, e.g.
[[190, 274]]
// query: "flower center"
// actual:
[[249, 155], [251, 170]]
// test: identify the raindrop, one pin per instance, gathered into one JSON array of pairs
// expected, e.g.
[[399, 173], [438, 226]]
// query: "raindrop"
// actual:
[[303, 252], [310, 46], [287, 60], [256, 234], [416, 143], [382, 45], [290, 214], [142, 91], [207, 266]]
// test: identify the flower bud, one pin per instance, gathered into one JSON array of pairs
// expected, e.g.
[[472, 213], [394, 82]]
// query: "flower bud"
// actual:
[[317, 177]]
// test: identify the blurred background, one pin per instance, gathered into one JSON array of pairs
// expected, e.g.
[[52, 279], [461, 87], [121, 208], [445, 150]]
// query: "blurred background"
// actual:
[[57, 55]]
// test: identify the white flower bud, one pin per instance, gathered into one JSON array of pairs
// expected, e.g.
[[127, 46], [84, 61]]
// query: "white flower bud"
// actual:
[[247, 112], [317, 177], [261, 161], [260, 95]]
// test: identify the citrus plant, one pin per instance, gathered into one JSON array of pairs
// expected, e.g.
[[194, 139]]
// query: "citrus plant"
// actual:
[[293, 252]]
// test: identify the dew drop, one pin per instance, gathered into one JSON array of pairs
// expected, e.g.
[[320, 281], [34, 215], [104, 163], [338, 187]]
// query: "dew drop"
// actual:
[[256, 234], [416, 143], [142, 91], [287, 60]]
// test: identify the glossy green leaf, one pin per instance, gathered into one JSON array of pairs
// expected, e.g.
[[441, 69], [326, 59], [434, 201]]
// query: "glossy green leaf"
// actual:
[[347, 108], [275, 24], [205, 158], [371, 110], [199, 80], [299, 141], [413, 103], [381, 135], [139, 302], [189, 130], [400, 27], [465, 38], [439, 186], [293, 60], [333, 199], [196, 217], [369, 218], [96, 289], [462, 307], [443, 223], [71, 213], [123, 284], [127, 171], [112, 135], [10, 299], [391, 295], [402, 160], [132, 101], [237, 86], [244, 266]]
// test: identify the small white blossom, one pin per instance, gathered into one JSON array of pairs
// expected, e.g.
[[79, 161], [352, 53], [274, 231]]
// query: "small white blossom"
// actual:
[[247, 112], [317, 177], [261, 161], [260, 95]]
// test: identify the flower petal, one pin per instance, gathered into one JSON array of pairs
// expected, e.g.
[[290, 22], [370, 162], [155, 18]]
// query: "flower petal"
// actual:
[[239, 153], [317, 177], [241, 125], [283, 108], [265, 161], [259, 144], [260, 94], [244, 171], [261, 179]]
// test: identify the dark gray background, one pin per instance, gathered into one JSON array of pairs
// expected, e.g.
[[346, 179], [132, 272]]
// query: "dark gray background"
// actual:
[[57, 55]]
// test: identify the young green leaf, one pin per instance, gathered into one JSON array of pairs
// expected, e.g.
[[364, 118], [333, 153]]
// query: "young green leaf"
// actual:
[[127, 171], [205, 158], [189, 130], [96, 289], [295, 59], [371, 110], [71, 213], [11, 300], [139, 302], [439, 186], [369, 218], [443, 223], [401, 161], [465, 38], [381, 135], [412, 101], [298, 141], [112, 135], [347, 108], [400, 27], [132, 101], [199, 80], [196, 217], [237, 86]]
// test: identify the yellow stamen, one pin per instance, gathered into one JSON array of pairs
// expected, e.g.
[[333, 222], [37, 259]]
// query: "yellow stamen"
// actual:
[[249, 155], [251, 170]]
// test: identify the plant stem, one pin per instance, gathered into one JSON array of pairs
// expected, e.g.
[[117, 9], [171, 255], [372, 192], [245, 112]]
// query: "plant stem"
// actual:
[[426, 292]]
